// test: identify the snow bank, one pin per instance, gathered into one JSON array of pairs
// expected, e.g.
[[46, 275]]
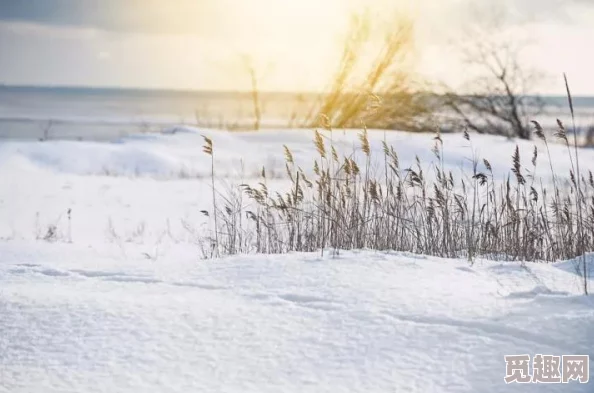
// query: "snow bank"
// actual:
[[114, 196], [177, 153], [85, 320]]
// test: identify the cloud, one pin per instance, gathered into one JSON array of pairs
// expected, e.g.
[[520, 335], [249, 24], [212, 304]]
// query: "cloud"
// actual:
[[188, 43], [519, 12], [143, 16], [206, 17]]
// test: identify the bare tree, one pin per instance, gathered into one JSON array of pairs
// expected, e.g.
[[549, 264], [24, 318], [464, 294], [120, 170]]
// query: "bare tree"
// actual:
[[255, 77], [590, 136], [46, 130], [498, 100]]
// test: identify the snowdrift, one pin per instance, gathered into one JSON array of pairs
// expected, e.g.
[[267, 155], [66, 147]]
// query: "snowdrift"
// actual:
[[76, 319]]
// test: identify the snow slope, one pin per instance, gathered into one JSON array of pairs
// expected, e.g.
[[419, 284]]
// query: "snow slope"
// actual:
[[177, 153], [110, 187], [76, 319], [119, 301]]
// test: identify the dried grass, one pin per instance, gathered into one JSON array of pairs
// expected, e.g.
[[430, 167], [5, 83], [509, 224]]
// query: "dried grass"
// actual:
[[345, 206]]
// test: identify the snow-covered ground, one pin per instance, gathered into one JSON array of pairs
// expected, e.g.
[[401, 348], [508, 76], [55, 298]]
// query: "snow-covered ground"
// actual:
[[77, 319], [146, 188], [120, 300]]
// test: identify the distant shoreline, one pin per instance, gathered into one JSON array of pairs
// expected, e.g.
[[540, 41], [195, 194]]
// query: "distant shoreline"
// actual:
[[144, 91], [583, 100]]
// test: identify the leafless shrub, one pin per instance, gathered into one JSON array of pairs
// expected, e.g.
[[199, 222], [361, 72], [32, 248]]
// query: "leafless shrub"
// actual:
[[498, 99], [386, 96], [51, 231], [137, 234], [46, 130], [51, 234]]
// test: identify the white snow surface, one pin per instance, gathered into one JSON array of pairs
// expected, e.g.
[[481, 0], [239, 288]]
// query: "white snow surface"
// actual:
[[141, 187], [177, 152], [81, 320], [121, 302]]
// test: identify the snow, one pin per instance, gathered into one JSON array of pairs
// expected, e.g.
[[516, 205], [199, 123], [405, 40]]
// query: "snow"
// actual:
[[151, 188], [177, 153], [120, 301], [76, 320]]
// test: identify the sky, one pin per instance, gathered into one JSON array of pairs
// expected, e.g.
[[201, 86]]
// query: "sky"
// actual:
[[294, 44]]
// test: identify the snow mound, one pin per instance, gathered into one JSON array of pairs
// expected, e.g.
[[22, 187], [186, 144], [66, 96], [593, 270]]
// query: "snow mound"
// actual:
[[79, 319], [177, 153], [576, 265], [148, 155]]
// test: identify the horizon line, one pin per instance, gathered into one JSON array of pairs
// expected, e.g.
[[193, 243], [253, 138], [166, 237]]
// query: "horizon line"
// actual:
[[4, 85]]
